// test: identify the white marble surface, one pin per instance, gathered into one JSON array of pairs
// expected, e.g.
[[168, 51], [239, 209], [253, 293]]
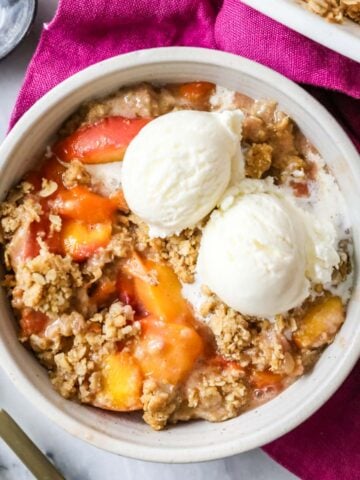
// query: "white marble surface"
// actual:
[[77, 460]]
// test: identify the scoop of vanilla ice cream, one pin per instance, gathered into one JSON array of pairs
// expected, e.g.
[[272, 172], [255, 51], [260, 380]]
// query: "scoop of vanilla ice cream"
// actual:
[[178, 167], [253, 255]]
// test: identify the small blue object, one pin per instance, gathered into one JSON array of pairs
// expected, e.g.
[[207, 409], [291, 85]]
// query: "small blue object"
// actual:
[[16, 18]]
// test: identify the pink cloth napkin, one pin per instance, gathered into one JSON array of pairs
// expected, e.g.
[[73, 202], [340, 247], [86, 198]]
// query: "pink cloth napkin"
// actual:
[[326, 447]]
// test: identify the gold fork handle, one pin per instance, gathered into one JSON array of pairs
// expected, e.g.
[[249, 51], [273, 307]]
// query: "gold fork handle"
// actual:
[[26, 450]]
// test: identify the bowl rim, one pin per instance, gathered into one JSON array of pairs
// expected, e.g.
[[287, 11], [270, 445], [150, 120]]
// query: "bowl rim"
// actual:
[[55, 96]]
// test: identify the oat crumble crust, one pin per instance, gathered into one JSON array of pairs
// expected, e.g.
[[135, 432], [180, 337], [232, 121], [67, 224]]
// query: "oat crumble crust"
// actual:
[[75, 174], [179, 251], [335, 10], [250, 341], [46, 282], [211, 393], [78, 337]]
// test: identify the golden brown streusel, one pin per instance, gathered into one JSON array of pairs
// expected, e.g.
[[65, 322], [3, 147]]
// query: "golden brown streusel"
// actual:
[[351, 9], [118, 322], [214, 394], [76, 174], [285, 156], [77, 371], [48, 187], [179, 251], [20, 212], [211, 393], [232, 331], [330, 9], [55, 223], [247, 340], [159, 403], [46, 282], [258, 160], [119, 247], [336, 10], [344, 268], [272, 351]]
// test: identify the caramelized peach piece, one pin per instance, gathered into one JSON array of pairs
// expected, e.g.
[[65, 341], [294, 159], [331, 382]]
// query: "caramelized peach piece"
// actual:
[[167, 351], [80, 203], [122, 383], [51, 169], [320, 323], [196, 92], [104, 293], [24, 245], [102, 142], [81, 240], [265, 379], [119, 201], [32, 322], [158, 290]]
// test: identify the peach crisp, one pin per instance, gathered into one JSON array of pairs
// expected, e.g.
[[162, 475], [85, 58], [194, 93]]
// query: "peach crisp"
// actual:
[[125, 319]]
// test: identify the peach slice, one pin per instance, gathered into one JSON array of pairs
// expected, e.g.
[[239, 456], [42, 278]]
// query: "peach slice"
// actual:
[[196, 92], [79, 203], [119, 201], [167, 352], [24, 245], [122, 383], [102, 142], [265, 379], [158, 290], [320, 323], [104, 293], [81, 240], [32, 322]]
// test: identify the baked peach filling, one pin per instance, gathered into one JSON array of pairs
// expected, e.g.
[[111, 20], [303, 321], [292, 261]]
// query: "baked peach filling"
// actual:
[[103, 304]]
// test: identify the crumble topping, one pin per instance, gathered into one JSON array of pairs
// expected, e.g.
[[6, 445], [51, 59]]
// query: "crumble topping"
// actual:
[[249, 341], [119, 246], [179, 251], [46, 282], [76, 174], [48, 187], [55, 223], [159, 403], [258, 160], [118, 322], [232, 331], [76, 372], [336, 10], [16, 212], [212, 393]]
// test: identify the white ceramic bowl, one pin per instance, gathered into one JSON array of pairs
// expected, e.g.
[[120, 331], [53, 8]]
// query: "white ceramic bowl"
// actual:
[[187, 442]]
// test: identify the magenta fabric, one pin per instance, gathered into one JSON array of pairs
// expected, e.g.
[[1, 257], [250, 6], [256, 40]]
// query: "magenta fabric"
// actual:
[[83, 32]]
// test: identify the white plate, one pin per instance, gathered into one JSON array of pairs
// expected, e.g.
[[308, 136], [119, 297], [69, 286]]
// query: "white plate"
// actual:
[[343, 38]]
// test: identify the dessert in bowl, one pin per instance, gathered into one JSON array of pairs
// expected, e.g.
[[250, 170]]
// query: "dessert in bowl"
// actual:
[[180, 249], [336, 11]]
